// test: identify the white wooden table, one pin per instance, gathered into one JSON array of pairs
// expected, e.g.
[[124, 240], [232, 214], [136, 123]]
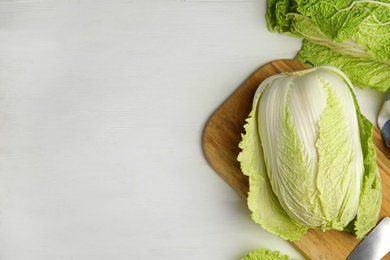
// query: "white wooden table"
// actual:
[[102, 107]]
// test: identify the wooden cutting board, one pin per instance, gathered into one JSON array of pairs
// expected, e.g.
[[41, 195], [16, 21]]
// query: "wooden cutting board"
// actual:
[[222, 134]]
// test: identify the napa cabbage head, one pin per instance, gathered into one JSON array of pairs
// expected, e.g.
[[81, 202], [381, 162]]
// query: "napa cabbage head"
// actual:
[[352, 35], [309, 156]]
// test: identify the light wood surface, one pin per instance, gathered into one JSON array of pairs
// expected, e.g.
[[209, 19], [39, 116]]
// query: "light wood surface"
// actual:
[[102, 107], [222, 134]]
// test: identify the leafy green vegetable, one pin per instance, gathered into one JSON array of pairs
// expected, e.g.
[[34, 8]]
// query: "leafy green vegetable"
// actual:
[[364, 72], [351, 35], [309, 156], [265, 254]]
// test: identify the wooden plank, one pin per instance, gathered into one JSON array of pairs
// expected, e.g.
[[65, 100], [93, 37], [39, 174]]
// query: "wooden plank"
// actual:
[[222, 134]]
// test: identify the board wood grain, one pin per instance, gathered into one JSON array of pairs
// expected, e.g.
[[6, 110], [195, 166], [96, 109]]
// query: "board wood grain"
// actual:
[[221, 136]]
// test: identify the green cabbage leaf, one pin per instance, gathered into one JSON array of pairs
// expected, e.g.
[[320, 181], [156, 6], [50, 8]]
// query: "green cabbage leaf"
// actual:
[[265, 254]]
